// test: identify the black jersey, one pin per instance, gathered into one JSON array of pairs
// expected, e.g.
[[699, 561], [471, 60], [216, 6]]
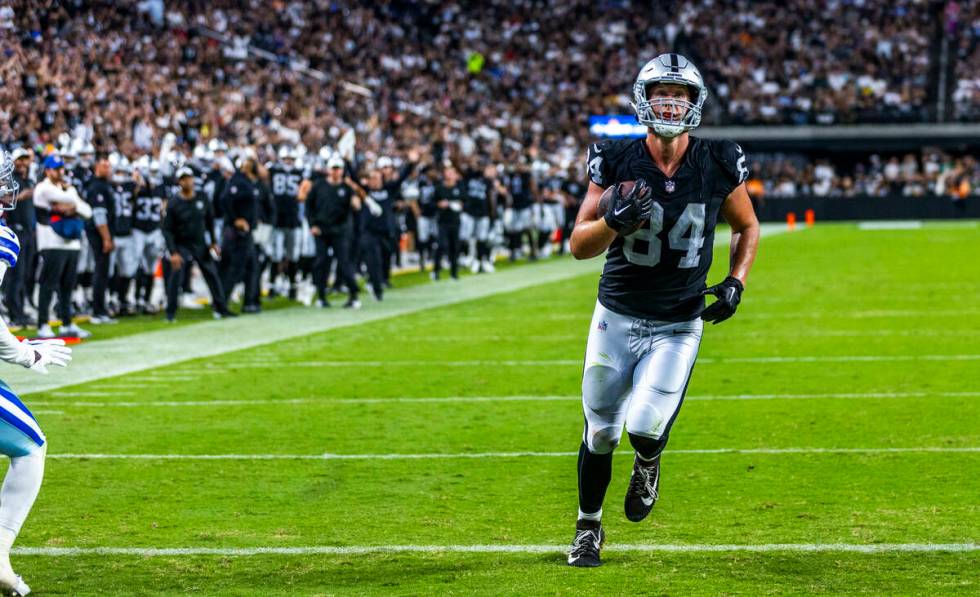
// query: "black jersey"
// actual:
[[455, 195], [383, 223], [329, 206], [478, 191], [285, 188], [659, 271], [123, 197], [519, 187], [427, 198], [80, 176], [148, 210], [187, 222]]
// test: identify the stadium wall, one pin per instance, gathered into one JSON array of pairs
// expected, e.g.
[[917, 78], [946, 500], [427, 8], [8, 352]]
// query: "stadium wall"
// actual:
[[869, 208]]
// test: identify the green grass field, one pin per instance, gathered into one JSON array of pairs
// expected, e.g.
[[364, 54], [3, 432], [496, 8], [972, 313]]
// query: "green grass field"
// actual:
[[862, 343]]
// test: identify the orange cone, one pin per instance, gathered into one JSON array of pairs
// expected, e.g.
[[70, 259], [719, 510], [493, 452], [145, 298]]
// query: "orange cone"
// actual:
[[791, 221], [810, 217]]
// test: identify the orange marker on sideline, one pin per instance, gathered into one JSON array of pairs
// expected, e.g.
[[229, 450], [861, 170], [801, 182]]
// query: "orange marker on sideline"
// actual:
[[791, 221], [810, 217]]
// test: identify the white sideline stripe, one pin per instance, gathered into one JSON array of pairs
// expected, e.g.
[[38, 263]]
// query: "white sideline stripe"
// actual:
[[48, 412], [501, 548], [578, 362], [478, 455], [93, 394], [890, 225], [165, 378], [477, 399]]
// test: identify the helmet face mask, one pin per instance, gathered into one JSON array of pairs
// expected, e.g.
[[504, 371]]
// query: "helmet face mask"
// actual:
[[658, 102], [8, 186]]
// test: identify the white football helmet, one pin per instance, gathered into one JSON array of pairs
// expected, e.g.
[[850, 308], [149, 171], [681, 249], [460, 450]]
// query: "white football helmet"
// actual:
[[676, 70], [86, 153], [8, 186]]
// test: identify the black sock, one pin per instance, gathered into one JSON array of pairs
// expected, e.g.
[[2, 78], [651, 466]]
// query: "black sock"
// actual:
[[594, 473], [648, 448], [122, 289]]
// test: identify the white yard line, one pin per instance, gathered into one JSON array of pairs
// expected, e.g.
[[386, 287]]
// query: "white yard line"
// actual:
[[863, 548], [92, 394], [150, 350], [482, 455], [335, 364], [326, 401]]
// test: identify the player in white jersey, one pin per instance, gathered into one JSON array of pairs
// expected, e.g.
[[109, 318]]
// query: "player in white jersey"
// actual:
[[21, 438]]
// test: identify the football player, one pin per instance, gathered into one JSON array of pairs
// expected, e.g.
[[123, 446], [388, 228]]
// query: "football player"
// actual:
[[21, 439], [647, 323], [127, 184], [475, 219], [151, 201], [285, 178]]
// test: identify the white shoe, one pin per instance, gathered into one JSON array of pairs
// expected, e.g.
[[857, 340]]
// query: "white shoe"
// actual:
[[103, 319], [45, 331], [73, 331], [475, 267], [10, 583], [488, 266], [188, 301]]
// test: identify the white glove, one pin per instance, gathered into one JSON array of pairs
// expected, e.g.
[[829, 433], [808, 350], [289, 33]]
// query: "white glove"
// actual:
[[47, 352]]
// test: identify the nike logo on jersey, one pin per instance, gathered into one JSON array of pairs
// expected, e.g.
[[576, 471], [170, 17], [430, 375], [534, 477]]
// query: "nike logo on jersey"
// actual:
[[620, 210]]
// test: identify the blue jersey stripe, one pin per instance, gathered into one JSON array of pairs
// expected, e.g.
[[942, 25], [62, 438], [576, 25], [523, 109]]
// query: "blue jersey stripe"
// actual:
[[7, 393], [12, 420], [13, 246]]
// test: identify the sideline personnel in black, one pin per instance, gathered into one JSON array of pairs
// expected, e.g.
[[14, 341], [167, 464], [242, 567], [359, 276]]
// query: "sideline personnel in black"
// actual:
[[449, 201], [188, 219], [328, 209], [100, 196], [241, 204]]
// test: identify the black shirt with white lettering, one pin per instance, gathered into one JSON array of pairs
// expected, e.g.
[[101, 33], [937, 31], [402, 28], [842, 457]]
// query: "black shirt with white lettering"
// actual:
[[659, 271]]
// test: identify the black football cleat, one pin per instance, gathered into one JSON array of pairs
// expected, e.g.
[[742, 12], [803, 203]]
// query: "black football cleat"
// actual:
[[642, 493], [589, 538]]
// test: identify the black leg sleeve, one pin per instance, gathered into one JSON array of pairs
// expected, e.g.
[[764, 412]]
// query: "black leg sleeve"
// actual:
[[594, 474]]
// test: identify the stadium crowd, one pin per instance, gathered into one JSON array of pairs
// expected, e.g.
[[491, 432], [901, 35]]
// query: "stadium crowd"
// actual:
[[930, 173], [453, 135]]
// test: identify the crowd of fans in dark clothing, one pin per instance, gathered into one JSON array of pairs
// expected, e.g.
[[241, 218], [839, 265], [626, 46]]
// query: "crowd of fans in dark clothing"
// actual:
[[296, 147]]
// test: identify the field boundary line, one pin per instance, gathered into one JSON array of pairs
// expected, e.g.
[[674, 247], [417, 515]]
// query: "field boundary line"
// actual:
[[517, 454], [462, 399], [872, 548]]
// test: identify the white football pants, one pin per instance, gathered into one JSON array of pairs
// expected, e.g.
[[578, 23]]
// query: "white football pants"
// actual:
[[636, 373]]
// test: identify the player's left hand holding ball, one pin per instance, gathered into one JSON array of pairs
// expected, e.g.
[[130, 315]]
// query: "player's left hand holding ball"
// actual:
[[729, 294], [48, 352]]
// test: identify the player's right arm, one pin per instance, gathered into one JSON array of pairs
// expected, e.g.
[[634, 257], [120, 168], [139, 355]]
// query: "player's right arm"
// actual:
[[591, 235]]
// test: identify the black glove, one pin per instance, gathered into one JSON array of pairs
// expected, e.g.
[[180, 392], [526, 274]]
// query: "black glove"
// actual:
[[729, 295], [627, 212]]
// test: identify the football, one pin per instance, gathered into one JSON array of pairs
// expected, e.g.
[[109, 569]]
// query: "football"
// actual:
[[625, 188]]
